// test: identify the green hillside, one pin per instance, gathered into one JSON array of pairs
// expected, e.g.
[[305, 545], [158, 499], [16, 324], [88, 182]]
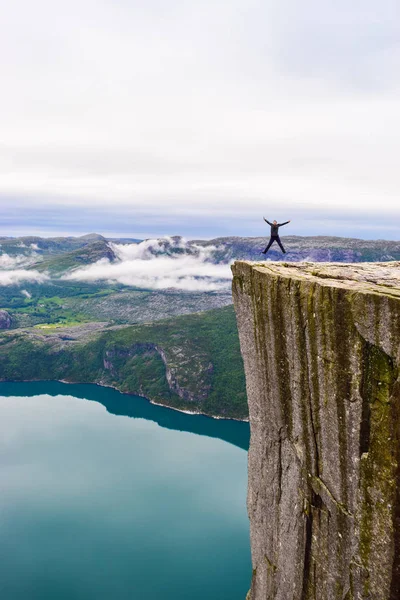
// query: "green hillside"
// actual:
[[190, 362], [88, 254]]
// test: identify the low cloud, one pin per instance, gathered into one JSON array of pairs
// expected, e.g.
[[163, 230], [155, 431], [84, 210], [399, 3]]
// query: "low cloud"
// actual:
[[169, 263], [12, 273], [17, 276], [10, 262], [19, 260]]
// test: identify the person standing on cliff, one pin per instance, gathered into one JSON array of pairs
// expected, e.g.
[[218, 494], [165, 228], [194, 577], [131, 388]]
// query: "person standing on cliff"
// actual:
[[275, 235]]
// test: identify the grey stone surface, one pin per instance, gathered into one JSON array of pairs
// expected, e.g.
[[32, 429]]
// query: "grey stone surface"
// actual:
[[5, 320], [321, 349]]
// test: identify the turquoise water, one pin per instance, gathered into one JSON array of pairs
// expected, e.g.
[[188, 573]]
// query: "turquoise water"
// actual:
[[114, 498]]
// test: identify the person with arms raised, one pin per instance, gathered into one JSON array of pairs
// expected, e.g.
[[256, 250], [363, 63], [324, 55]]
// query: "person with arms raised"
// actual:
[[275, 235]]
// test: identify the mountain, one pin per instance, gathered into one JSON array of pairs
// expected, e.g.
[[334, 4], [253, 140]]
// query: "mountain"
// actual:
[[91, 237], [28, 245], [223, 249], [90, 253]]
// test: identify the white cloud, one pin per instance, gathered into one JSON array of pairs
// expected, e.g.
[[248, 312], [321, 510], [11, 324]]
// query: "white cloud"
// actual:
[[8, 261], [17, 276], [12, 273], [26, 293], [141, 265]]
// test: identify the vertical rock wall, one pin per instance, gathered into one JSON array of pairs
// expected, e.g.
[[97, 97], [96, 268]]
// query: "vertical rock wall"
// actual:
[[321, 349]]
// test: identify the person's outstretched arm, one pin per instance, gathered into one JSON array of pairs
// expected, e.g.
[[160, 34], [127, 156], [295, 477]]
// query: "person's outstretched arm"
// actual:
[[266, 220], [281, 224]]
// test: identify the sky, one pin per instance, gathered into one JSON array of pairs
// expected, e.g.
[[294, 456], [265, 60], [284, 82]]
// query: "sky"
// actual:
[[198, 118]]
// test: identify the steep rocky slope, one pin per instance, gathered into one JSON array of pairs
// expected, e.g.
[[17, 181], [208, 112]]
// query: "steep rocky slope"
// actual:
[[321, 348]]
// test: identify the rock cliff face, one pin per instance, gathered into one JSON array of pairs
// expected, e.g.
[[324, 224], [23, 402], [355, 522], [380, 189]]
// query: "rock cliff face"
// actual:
[[321, 348], [195, 389]]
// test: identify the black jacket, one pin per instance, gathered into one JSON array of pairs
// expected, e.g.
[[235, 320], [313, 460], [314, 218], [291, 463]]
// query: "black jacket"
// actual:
[[275, 228]]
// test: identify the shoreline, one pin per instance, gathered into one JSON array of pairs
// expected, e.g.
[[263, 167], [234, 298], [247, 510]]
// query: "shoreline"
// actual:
[[190, 412], [113, 387]]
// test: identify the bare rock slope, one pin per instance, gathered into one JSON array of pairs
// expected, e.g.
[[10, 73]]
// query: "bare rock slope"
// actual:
[[321, 349], [5, 319]]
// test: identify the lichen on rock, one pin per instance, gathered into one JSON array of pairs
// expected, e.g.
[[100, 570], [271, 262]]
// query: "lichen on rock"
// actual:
[[321, 349]]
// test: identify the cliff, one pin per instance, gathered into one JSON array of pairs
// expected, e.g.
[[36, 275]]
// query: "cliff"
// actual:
[[320, 344]]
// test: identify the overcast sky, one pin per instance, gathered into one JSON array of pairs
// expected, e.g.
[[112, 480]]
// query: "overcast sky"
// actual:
[[196, 117]]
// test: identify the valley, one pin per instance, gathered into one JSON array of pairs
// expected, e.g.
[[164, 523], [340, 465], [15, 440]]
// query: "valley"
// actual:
[[153, 317]]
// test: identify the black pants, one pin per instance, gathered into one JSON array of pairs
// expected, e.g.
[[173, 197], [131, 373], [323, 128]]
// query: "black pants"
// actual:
[[274, 238]]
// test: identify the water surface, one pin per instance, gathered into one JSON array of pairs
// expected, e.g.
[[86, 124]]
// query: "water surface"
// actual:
[[133, 502]]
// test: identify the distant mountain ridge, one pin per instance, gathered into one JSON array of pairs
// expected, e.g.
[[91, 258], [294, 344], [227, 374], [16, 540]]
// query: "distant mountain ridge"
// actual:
[[60, 254], [46, 246], [299, 248], [87, 254]]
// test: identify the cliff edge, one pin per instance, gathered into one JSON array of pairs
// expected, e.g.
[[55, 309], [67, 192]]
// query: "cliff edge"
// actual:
[[321, 349]]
